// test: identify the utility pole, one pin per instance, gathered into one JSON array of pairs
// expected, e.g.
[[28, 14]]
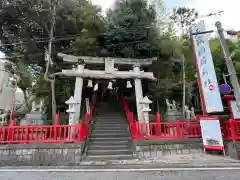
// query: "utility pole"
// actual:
[[229, 63]]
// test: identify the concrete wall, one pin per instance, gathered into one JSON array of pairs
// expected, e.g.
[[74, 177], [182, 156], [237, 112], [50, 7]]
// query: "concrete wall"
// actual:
[[44, 154]]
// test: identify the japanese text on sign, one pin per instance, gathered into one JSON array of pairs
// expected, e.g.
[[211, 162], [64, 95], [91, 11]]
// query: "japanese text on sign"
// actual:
[[206, 70]]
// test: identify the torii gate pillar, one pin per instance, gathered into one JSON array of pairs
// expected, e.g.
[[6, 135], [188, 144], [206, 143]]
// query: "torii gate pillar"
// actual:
[[78, 93], [138, 93]]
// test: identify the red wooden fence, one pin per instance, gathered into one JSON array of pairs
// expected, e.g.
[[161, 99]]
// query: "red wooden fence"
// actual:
[[49, 133], [160, 130]]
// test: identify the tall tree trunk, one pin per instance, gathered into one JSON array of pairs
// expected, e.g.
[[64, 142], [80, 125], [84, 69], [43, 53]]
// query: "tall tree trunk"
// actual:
[[53, 6], [54, 108], [26, 100]]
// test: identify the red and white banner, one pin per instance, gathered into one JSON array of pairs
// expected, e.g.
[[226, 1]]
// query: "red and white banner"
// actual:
[[205, 70]]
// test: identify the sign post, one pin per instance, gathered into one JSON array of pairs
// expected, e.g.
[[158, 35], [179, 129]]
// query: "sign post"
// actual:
[[211, 133], [207, 80]]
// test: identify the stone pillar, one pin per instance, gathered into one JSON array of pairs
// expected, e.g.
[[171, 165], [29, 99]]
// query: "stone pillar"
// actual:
[[138, 94], [78, 93]]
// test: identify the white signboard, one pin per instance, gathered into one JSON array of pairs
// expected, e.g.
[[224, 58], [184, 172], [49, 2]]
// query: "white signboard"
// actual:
[[211, 134], [235, 111], [206, 70]]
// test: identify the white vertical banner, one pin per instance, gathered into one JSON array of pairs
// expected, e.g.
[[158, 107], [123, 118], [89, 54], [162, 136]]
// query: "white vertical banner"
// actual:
[[204, 62]]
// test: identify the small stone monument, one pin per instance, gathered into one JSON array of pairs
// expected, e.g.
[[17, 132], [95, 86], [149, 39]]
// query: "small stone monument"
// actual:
[[169, 106], [193, 114], [172, 113], [187, 113], [35, 118], [33, 106], [174, 107]]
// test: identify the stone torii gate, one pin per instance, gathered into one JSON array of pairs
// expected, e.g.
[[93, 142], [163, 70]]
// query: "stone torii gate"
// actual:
[[109, 73]]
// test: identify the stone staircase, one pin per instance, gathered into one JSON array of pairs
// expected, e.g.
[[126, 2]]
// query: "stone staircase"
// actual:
[[110, 138]]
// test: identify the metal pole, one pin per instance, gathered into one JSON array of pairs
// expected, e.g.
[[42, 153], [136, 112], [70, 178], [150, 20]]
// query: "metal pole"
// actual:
[[224, 78], [184, 88], [229, 63]]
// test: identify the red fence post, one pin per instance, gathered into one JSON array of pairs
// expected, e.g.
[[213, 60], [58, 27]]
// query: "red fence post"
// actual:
[[134, 130], [56, 122], [233, 129], [80, 129], [55, 132], [178, 129], [158, 121], [27, 134]]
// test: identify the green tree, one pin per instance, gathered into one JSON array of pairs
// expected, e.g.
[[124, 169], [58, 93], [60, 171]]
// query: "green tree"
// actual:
[[25, 35], [184, 17], [132, 29]]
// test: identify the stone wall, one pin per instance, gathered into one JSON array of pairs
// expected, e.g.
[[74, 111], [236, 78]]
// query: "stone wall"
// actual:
[[166, 147], [44, 154], [233, 150]]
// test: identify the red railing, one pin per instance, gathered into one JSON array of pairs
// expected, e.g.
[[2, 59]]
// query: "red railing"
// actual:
[[231, 129], [161, 130], [49, 133], [41, 134], [166, 130]]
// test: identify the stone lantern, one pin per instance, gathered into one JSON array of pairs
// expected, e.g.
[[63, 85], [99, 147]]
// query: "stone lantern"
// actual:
[[71, 109], [145, 102]]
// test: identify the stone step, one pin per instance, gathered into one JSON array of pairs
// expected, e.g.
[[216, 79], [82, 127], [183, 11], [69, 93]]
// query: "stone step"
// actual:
[[108, 152], [116, 140], [110, 131], [110, 118], [110, 136], [96, 158], [116, 126], [109, 147], [108, 115], [106, 128], [110, 122], [107, 143]]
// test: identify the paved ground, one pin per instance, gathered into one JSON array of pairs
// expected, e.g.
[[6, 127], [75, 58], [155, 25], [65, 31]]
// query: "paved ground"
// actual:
[[147, 175], [192, 159]]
